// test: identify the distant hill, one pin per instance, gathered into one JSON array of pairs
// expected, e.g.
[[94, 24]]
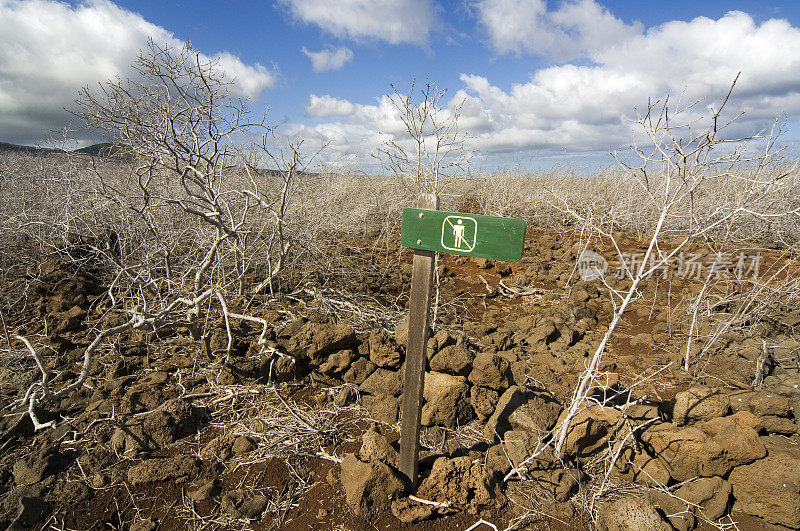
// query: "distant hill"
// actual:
[[105, 149], [5, 147]]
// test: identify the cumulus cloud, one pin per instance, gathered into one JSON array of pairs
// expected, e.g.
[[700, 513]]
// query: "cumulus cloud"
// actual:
[[49, 50], [329, 59], [588, 107], [393, 21], [328, 106], [574, 29]]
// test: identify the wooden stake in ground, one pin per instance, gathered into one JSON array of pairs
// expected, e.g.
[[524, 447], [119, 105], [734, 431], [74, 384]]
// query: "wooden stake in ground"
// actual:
[[418, 330], [428, 230]]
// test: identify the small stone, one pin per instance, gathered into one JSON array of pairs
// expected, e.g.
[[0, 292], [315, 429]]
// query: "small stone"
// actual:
[[243, 504], [242, 445], [411, 512], [144, 525], [160, 469], [346, 396], [207, 490]]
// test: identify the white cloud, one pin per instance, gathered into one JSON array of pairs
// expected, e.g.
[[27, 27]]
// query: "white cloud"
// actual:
[[49, 50], [328, 106], [589, 107], [393, 21], [249, 81], [329, 59], [574, 29]]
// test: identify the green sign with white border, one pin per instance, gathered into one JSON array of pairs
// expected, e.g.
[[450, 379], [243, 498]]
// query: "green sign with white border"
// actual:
[[490, 237]]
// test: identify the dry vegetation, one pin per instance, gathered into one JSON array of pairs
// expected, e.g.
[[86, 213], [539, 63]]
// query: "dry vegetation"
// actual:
[[189, 309]]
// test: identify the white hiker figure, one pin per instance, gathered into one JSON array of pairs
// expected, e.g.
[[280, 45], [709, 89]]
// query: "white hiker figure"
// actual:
[[458, 234]]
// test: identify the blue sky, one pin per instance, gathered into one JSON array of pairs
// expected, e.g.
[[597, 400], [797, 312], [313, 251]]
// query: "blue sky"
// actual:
[[544, 82]]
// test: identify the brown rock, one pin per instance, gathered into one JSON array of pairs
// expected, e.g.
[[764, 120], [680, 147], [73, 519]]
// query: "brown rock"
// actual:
[[760, 403], [699, 403], [492, 371], [172, 421], [453, 359], [359, 370], [633, 512], [160, 469], [737, 436], [375, 447], [369, 487], [446, 402], [318, 340], [383, 381], [497, 459], [382, 353], [687, 452], [778, 425], [207, 490], [710, 495], [769, 488], [498, 423], [401, 332], [483, 401], [243, 504], [337, 363], [537, 414], [31, 511], [680, 514], [462, 483], [242, 445], [383, 408], [589, 430], [34, 468], [144, 525], [545, 333], [411, 512], [346, 396], [650, 472], [518, 446]]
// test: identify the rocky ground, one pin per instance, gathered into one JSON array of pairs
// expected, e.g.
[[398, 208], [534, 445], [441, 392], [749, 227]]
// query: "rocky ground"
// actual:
[[299, 430]]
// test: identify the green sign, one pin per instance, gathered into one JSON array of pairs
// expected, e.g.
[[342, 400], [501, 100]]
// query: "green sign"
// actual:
[[468, 234]]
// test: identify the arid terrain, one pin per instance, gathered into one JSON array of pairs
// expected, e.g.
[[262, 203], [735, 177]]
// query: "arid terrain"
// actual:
[[289, 420]]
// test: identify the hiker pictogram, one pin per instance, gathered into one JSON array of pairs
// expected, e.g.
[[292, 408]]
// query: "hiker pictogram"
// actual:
[[459, 233]]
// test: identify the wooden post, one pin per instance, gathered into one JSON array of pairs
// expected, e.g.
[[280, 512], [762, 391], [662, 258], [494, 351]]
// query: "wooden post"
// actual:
[[418, 331]]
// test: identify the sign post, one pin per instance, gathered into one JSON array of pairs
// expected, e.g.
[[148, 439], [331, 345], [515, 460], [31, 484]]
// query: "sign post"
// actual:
[[428, 231], [418, 329]]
